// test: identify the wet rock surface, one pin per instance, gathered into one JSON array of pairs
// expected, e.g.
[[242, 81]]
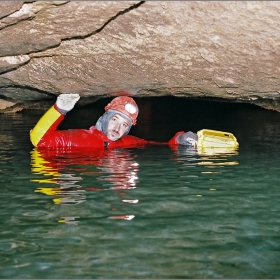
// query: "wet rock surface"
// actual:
[[219, 50]]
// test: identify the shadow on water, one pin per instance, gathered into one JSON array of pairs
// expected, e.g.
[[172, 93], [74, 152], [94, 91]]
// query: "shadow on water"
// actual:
[[153, 212]]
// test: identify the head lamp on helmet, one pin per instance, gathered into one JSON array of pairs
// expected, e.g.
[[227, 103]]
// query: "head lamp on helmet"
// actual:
[[125, 105]]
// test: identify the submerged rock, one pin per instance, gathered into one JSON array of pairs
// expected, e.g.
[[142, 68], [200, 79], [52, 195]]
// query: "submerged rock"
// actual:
[[223, 50]]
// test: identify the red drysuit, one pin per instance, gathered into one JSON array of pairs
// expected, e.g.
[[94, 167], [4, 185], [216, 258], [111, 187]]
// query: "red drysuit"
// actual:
[[44, 134]]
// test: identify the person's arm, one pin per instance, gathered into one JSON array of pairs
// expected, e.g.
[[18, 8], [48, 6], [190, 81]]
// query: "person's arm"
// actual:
[[48, 123], [180, 138]]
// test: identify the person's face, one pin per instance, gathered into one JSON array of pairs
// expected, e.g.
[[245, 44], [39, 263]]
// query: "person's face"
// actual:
[[117, 127]]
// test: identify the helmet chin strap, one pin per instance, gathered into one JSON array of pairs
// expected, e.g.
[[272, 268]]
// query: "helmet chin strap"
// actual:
[[102, 122]]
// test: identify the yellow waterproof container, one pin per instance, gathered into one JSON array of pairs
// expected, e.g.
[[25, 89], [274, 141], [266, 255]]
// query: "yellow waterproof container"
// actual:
[[208, 138]]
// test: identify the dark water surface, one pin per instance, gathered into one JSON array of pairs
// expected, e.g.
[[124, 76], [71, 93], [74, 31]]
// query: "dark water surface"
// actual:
[[152, 212]]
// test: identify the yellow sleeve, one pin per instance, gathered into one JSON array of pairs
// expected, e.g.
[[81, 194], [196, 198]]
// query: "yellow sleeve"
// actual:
[[44, 125]]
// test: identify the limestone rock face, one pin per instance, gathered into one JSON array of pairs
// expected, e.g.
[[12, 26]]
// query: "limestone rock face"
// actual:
[[208, 49]]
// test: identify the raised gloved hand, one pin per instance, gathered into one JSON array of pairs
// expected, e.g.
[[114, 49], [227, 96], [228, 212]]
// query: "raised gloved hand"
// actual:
[[188, 139], [66, 102]]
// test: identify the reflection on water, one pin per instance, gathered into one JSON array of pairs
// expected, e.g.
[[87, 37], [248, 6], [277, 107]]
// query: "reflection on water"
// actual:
[[114, 169]]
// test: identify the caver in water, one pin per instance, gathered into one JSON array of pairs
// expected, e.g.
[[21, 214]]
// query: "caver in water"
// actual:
[[110, 131]]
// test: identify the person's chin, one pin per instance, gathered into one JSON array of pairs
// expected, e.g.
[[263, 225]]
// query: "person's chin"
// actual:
[[113, 138]]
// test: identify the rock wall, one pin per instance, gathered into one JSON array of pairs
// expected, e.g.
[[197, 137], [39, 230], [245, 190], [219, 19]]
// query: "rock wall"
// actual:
[[204, 49]]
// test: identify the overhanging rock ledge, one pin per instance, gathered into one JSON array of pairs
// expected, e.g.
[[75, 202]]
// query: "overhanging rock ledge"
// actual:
[[220, 50]]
